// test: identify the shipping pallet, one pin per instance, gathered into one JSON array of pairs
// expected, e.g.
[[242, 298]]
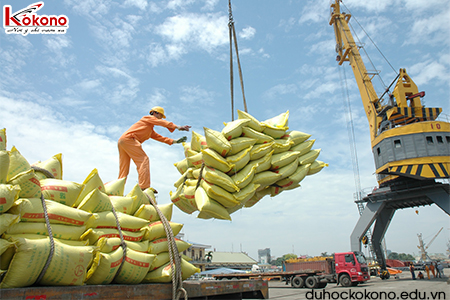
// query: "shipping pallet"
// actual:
[[196, 290]]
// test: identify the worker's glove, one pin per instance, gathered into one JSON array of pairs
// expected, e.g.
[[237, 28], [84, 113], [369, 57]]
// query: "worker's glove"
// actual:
[[181, 140], [184, 128]]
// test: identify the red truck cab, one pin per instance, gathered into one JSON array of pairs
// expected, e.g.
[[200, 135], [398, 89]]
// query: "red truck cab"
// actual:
[[351, 268]]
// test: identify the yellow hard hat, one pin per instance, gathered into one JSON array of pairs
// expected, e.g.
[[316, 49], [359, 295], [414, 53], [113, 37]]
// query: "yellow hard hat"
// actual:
[[159, 110]]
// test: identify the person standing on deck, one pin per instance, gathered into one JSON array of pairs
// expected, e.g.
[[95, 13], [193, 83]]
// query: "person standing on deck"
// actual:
[[130, 144]]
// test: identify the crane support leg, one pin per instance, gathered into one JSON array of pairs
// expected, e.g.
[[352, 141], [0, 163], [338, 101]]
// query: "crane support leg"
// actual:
[[381, 225], [441, 198], [368, 216], [382, 204]]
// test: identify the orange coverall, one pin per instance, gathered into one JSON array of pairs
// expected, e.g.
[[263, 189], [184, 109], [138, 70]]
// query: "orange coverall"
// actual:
[[130, 147]]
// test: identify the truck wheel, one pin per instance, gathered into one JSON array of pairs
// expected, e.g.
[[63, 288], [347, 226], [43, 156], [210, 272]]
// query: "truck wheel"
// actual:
[[344, 280], [297, 282], [311, 282]]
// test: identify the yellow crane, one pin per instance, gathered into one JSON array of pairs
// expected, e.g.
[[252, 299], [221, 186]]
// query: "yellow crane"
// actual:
[[407, 140], [411, 147]]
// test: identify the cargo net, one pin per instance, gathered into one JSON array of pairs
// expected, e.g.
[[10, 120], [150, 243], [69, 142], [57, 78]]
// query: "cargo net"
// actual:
[[224, 171], [60, 232]]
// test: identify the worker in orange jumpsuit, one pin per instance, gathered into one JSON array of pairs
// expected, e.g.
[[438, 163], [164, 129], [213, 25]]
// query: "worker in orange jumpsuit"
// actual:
[[432, 269], [428, 271], [130, 144]]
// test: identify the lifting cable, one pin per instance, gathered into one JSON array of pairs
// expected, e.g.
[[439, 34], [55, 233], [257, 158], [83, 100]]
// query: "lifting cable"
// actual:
[[175, 258], [353, 149], [368, 36], [350, 131], [378, 49], [232, 34]]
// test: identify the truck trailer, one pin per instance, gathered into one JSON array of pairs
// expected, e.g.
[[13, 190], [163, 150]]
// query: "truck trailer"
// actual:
[[346, 269], [195, 289]]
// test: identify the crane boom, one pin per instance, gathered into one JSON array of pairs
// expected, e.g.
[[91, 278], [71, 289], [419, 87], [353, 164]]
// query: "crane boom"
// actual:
[[407, 140], [348, 51]]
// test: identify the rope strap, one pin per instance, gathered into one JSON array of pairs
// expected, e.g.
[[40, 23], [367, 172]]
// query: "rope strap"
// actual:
[[122, 240], [52, 241], [47, 223], [175, 258], [200, 176], [44, 171]]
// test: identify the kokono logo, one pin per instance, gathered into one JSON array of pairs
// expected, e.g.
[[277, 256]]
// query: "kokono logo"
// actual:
[[25, 21]]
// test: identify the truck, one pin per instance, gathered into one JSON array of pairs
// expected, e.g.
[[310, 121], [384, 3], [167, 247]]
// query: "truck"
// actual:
[[345, 268]]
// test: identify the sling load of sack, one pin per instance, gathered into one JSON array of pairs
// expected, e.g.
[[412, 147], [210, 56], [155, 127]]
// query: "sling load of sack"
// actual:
[[260, 158]]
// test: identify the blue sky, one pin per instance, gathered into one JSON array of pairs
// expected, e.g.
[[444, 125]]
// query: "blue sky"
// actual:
[[76, 93]]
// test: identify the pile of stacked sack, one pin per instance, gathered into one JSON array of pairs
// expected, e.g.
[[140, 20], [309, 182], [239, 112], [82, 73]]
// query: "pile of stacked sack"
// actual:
[[91, 223], [225, 171]]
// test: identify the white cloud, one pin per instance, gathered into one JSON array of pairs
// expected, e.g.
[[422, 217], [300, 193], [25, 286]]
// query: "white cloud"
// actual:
[[89, 85], [175, 51], [433, 29], [428, 71], [288, 24], [121, 91], [90, 8], [158, 97], [204, 31], [315, 11], [185, 33], [280, 89], [420, 5], [58, 45], [141, 4], [11, 62], [156, 55], [377, 6], [247, 33], [210, 4], [113, 35], [22, 42], [324, 47], [155, 8], [196, 95], [245, 51], [76, 140], [263, 53], [177, 4]]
